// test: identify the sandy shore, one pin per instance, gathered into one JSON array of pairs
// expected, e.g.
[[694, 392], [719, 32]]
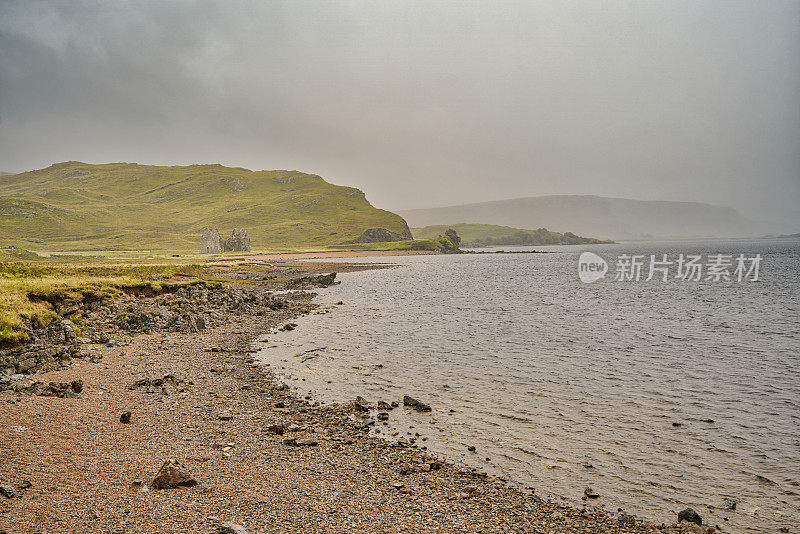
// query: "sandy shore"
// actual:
[[77, 468]]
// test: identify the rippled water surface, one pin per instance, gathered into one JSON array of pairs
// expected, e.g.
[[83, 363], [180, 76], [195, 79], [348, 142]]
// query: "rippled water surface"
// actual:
[[657, 395]]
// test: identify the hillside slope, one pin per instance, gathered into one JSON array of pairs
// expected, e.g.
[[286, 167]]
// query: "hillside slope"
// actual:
[[119, 206], [609, 218], [486, 235]]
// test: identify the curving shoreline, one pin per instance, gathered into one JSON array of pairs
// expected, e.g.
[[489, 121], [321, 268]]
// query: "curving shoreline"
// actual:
[[219, 417]]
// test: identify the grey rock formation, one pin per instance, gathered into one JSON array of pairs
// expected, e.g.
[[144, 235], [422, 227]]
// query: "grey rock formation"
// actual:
[[237, 242], [211, 242], [377, 235]]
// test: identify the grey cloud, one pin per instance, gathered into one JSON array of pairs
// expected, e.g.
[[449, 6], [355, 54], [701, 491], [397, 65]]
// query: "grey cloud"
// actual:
[[421, 103]]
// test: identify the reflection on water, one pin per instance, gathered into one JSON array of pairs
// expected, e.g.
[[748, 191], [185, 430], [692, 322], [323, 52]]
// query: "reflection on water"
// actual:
[[657, 395]]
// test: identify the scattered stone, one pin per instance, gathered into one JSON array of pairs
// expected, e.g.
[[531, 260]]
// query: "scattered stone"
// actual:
[[8, 491], [422, 407], [305, 442], [125, 418], [166, 384], [690, 516], [276, 429], [471, 448], [382, 405], [383, 416], [231, 528], [361, 404], [409, 401], [171, 476], [590, 493]]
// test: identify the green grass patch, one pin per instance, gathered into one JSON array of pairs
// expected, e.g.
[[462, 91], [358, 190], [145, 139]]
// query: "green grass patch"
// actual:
[[75, 206]]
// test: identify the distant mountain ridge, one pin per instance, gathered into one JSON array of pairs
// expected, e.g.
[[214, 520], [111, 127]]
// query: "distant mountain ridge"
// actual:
[[609, 218], [117, 206]]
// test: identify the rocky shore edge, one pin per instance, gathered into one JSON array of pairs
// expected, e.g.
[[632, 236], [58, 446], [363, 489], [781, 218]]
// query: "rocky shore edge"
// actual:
[[154, 417]]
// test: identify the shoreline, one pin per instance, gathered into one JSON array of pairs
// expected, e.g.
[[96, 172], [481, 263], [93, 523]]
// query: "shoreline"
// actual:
[[219, 417]]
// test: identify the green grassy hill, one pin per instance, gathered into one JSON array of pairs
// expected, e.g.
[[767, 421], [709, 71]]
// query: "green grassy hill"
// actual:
[[486, 235], [125, 206]]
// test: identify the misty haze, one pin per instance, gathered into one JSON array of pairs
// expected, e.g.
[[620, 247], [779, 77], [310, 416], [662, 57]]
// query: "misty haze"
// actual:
[[418, 266]]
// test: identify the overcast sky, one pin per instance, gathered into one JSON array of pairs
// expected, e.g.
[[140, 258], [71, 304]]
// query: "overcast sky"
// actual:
[[421, 103]]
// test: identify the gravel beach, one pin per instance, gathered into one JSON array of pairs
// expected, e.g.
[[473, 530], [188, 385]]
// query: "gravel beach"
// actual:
[[251, 453]]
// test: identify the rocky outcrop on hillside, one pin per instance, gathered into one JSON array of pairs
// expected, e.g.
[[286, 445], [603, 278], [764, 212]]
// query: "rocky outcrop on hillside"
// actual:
[[378, 235]]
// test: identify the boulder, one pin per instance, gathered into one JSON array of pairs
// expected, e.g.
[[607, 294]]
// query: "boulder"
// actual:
[[277, 428], [409, 401], [590, 493], [171, 476], [689, 515], [231, 528]]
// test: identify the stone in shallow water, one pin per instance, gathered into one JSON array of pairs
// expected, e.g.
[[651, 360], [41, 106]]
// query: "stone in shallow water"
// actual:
[[690, 515]]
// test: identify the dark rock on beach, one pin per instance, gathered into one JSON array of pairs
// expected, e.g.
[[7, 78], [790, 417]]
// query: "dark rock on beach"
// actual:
[[409, 401], [231, 528], [690, 516], [171, 475]]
